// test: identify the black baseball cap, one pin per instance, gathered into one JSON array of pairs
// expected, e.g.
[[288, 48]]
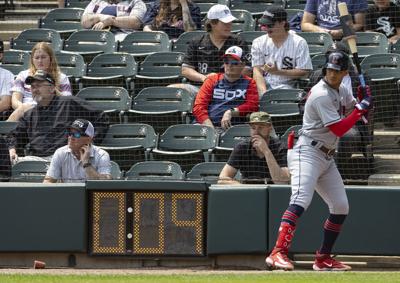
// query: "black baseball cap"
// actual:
[[272, 15], [40, 75]]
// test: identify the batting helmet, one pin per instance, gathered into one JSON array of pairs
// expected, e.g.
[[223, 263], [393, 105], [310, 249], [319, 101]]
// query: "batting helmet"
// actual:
[[338, 61]]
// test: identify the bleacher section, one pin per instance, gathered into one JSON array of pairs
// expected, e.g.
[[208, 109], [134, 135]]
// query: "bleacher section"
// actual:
[[150, 123]]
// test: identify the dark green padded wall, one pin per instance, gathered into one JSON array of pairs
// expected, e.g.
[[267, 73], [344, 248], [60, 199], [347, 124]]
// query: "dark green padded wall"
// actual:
[[237, 220], [41, 218], [372, 226]]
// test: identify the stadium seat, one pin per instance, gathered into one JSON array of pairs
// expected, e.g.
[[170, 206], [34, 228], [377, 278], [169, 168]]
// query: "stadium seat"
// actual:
[[369, 42], [116, 172], [318, 61], [143, 43], [15, 61], [318, 42], [64, 20], [155, 170], [296, 4], [76, 3], [159, 69], [90, 43], [161, 107], [255, 7], [6, 127], [249, 36], [182, 42], [186, 144], [206, 171], [129, 143], [205, 5], [284, 137], [29, 37], [282, 105], [108, 99], [29, 171], [116, 69], [73, 65], [228, 139], [244, 22]]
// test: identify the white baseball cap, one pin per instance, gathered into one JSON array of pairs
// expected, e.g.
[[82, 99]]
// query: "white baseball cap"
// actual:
[[235, 52], [220, 12]]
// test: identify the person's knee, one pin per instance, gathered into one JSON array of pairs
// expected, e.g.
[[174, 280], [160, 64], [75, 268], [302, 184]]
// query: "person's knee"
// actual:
[[341, 207]]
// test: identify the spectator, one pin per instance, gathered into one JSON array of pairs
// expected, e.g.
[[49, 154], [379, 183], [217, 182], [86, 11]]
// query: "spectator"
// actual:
[[121, 17], [172, 17], [79, 160], [6, 82], [42, 58], [225, 96], [259, 159], [61, 3], [42, 129], [204, 55], [280, 56], [384, 17], [323, 16], [1, 51]]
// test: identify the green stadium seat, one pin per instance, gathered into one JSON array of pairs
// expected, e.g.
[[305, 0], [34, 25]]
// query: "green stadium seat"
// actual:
[[30, 37], [155, 170]]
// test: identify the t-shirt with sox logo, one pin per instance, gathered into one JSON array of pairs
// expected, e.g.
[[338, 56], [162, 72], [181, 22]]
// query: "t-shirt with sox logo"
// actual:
[[218, 95], [385, 21]]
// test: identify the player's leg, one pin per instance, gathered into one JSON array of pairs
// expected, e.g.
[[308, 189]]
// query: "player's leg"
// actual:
[[304, 167], [331, 189]]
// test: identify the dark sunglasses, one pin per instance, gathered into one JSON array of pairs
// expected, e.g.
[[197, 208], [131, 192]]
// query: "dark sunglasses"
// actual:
[[76, 135], [232, 62]]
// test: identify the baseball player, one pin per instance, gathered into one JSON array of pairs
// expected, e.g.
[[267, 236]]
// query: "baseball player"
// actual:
[[280, 56], [312, 166]]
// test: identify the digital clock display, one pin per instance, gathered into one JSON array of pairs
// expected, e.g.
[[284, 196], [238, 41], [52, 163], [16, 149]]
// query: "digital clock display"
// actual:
[[147, 223]]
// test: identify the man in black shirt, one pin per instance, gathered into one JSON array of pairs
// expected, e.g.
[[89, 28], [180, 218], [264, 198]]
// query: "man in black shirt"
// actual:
[[204, 53], [259, 159], [384, 17], [43, 128]]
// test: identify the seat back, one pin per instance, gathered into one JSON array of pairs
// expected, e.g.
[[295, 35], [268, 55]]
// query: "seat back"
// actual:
[[296, 4], [249, 36], [106, 98], [188, 137], [155, 170], [318, 61], [162, 100], [29, 171], [76, 3], [206, 171], [382, 66], [71, 64], [255, 7], [15, 61], [162, 64], [371, 43], [205, 5], [62, 19], [142, 43], [6, 127], [116, 172], [233, 136], [244, 22], [129, 135], [182, 42], [29, 37], [318, 42], [90, 42], [284, 137], [115, 64]]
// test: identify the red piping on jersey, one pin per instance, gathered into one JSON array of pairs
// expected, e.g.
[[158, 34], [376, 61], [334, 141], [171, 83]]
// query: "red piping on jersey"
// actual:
[[341, 127]]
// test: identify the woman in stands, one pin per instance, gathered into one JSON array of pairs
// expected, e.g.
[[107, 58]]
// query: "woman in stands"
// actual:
[[172, 17], [42, 58]]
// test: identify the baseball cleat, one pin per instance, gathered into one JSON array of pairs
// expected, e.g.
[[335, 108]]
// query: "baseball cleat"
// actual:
[[324, 262], [279, 260]]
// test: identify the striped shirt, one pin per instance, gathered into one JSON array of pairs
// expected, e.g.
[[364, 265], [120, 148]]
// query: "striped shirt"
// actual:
[[6, 82]]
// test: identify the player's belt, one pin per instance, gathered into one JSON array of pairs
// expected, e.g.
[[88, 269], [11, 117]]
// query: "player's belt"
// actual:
[[327, 151]]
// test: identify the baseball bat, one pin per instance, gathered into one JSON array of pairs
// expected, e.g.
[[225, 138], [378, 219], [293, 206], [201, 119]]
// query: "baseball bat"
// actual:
[[349, 36]]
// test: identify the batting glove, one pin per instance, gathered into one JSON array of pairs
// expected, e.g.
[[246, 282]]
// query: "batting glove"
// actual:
[[365, 104], [363, 91]]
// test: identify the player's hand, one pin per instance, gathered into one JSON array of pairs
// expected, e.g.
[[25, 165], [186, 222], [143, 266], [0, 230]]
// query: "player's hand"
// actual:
[[85, 153], [226, 119], [259, 144], [365, 104], [363, 91]]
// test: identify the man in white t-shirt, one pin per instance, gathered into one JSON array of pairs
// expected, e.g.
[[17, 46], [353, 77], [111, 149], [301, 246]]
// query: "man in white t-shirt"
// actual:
[[79, 160], [280, 56]]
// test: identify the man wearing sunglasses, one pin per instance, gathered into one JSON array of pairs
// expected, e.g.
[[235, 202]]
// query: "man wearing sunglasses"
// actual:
[[280, 56], [79, 160], [42, 129], [226, 98]]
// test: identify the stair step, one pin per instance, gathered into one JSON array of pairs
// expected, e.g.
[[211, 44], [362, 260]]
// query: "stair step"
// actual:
[[36, 4], [7, 35], [386, 141], [12, 25], [384, 180], [31, 14], [387, 163]]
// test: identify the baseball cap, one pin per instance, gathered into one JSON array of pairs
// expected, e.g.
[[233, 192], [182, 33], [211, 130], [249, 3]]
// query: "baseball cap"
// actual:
[[83, 126], [272, 15], [40, 75], [220, 12], [338, 61], [234, 51], [260, 117]]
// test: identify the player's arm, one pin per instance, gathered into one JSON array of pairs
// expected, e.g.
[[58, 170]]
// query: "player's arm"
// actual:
[[226, 177]]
